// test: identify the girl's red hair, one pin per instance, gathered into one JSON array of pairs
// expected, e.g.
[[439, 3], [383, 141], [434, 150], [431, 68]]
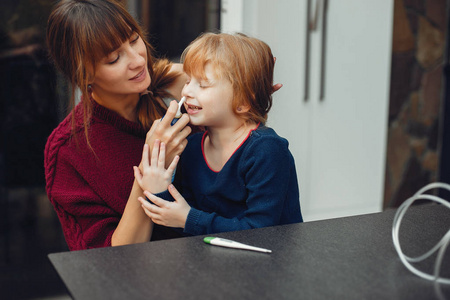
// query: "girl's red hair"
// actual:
[[245, 61]]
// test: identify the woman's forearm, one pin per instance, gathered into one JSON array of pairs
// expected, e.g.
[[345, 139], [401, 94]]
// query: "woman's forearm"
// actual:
[[134, 226]]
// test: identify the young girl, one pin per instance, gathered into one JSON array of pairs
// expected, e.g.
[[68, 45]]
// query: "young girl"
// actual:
[[238, 174]]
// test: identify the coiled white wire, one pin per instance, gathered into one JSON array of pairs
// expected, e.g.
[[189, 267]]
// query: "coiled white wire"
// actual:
[[441, 245]]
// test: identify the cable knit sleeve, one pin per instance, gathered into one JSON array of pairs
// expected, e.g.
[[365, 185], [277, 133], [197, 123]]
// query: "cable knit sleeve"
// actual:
[[89, 187], [86, 220]]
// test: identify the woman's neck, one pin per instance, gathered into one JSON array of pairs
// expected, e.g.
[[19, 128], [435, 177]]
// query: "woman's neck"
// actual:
[[124, 105]]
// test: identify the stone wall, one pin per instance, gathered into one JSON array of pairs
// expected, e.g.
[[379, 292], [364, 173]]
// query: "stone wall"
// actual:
[[415, 98]]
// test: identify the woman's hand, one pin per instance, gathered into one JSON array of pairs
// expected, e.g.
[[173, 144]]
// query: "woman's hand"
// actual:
[[166, 213], [277, 86], [174, 137], [154, 176]]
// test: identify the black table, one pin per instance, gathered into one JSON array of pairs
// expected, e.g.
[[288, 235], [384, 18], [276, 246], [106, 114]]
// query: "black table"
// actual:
[[344, 258]]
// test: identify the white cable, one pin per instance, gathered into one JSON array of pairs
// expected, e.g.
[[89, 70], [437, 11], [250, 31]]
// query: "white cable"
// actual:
[[441, 245]]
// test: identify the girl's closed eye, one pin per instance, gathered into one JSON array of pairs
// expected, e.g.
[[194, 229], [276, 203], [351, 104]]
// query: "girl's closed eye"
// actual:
[[205, 83]]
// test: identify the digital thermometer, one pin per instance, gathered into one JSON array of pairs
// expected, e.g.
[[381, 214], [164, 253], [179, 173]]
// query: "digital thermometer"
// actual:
[[232, 244]]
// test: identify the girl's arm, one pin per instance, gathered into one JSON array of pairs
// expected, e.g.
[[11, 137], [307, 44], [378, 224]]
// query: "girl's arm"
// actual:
[[268, 169], [273, 198], [135, 226]]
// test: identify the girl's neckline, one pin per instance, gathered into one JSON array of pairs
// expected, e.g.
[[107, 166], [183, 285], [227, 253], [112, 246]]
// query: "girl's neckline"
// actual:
[[217, 170]]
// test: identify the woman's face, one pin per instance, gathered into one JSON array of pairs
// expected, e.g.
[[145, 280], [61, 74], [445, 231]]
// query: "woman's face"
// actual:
[[123, 71]]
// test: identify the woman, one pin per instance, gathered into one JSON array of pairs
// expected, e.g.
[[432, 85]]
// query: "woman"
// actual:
[[89, 157]]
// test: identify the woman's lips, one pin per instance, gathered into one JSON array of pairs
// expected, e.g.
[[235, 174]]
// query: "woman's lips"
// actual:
[[140, 76]]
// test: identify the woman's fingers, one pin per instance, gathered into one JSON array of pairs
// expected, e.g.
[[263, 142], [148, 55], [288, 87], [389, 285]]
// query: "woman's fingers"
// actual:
[[155, 152], [174, 137], [161, 129], [162, 155], [153, 128], [276, 87], [178, 140], [181, 123], [170, 114], [145, 156]]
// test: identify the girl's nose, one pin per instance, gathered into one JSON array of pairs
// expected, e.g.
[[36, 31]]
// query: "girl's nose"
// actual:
[[187, 90]]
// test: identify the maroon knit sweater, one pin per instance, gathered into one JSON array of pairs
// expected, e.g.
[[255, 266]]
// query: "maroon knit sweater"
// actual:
[[89, 190]]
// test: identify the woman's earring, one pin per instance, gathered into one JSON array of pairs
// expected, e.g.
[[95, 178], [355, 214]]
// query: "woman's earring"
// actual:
[[239, 109], [89, 88]]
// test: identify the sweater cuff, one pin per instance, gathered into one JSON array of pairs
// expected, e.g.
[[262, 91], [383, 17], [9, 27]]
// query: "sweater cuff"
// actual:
[[163, 195], [192, 220]]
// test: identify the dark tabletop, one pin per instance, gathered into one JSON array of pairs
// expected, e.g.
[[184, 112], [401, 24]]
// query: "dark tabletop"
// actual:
[[344, 258]]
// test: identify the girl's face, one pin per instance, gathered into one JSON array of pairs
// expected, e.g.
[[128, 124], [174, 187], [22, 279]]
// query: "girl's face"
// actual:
[[123, 71], [208, 102]]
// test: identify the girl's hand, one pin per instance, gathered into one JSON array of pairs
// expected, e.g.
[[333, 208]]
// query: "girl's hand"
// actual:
[[173, 136], [154, 176], [166, 213]]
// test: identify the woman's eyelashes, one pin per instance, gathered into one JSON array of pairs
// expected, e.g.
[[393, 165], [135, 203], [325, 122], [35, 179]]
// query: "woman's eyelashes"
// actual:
[[134, 38], [115, 58]]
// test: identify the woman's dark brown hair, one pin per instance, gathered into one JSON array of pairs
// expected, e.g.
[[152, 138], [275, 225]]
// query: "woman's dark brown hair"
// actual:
[[82, 32]]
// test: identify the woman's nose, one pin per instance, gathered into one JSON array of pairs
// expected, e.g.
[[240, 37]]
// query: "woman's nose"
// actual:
[[137, 60]]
